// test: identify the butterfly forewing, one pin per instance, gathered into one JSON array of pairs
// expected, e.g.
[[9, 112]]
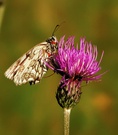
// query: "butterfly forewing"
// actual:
[[31, 66]]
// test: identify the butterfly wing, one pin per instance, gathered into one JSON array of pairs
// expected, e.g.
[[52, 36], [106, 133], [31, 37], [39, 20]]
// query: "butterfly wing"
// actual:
[[30, 67]]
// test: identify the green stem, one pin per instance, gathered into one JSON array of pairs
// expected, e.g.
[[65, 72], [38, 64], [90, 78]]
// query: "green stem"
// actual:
[[2, 8], [66, 121]]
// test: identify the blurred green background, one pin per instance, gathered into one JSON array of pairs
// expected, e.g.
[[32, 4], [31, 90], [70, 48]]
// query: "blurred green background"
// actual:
[[33, 110]]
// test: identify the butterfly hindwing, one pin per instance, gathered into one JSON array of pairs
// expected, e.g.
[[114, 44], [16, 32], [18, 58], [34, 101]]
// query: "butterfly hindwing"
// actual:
[[30, 67]]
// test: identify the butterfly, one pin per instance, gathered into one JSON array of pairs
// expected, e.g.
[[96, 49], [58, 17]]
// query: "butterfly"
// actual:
[[32, 66]]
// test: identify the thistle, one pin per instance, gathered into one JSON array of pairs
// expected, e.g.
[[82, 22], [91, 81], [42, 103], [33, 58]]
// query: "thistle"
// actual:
[[75, 66]]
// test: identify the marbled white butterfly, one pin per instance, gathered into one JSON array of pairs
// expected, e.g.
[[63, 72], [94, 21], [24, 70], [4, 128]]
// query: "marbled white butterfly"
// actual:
[[32, 65]]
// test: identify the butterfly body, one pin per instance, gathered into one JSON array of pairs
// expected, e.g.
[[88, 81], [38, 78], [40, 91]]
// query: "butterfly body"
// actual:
[[31, 67]]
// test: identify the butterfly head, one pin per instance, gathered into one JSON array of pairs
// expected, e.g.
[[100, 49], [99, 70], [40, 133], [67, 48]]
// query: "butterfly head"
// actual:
[[52, 44], [52, 40]]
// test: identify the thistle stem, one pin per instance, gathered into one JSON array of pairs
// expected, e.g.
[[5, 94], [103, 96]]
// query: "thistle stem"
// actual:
[[66, 121]]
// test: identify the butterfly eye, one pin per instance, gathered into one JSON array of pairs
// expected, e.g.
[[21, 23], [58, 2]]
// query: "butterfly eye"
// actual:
[[53, 38]]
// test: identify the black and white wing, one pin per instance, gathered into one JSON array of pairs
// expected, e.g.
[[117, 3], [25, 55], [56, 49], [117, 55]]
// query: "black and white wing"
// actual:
[[30, 67]]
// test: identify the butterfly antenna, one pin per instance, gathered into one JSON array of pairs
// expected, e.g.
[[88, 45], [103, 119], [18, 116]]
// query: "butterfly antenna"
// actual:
[[55, 29]]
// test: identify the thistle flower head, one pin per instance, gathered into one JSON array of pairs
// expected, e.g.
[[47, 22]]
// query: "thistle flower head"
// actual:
[[75, 66]]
